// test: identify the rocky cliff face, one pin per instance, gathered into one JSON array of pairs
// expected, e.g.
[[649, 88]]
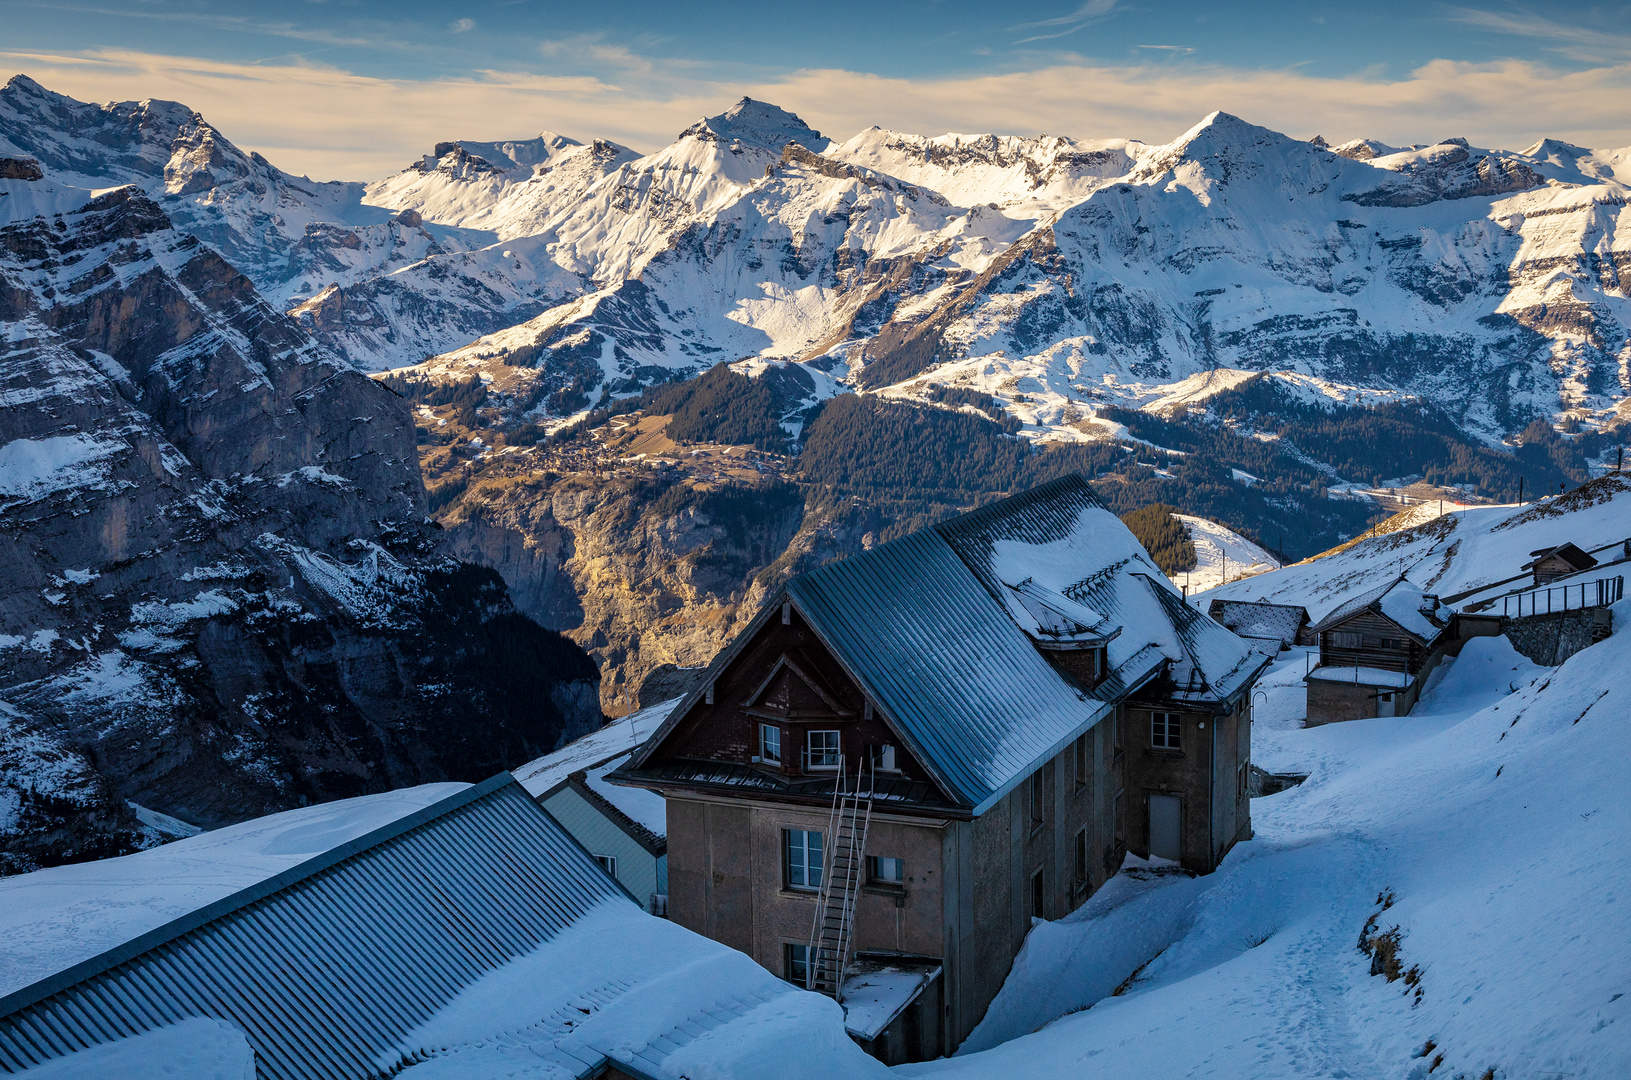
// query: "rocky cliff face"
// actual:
[[222, 597], [645, 565]]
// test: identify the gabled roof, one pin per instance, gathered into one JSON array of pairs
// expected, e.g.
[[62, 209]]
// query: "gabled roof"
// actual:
[[542, 775], [1059, 536], [1260, 619], [471, 938], [475, 880], [941, 630], [1569, 553], [1399, 601]]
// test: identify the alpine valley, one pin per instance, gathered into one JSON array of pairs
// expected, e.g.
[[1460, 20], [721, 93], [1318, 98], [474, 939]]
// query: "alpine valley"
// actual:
[[644, 389]]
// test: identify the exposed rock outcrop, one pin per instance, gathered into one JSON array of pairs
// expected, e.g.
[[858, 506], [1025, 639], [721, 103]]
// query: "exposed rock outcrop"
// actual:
[[222, 597]]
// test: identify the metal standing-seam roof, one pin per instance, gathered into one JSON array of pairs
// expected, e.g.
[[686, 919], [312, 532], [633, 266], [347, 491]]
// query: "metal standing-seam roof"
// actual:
[[326, 966], [946, 662], [942, 629]]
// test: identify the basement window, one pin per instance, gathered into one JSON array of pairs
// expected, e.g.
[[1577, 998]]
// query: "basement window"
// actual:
[[796, 962]]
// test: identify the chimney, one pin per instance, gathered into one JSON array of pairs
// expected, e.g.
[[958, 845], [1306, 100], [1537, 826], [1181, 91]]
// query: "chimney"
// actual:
[[1429, 603]]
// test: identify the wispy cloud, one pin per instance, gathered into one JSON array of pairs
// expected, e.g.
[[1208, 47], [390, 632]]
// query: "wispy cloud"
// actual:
[[462, 26], [1167, 48], [334, 123], [1091, 11], [1586, 44]]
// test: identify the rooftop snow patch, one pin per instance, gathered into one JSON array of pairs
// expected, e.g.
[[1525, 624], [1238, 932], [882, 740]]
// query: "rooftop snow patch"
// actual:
[[54, 918]]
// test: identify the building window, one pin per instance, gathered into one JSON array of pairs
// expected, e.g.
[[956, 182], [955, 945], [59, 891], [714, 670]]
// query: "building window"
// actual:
[[1039, 896], [885, 871], [1343, 640], [823, 750], [770, 744], [1165, 731], [802, 858], [1081, 860], [882, 758], [1115, 732], [1115, 819], [796, 962], [1083, 761], [1035, 792], [607, 863]]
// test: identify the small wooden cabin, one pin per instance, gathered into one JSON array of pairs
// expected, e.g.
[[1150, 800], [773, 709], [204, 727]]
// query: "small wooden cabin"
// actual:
[[1375, 652], [911, 753], [1549, 564]]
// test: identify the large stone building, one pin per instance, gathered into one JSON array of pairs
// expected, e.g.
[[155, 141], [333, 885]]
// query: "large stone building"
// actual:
[[911, 753]]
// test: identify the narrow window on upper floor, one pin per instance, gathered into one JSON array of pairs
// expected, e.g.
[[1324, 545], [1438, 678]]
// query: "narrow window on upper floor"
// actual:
[[1081, 859], [1039, 896], [1083, 760], [801, 859], [1166, 731], [1035, 798], [822, 750], [770, 744]]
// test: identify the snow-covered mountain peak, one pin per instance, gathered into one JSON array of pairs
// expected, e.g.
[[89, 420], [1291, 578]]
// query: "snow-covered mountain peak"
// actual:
[[756, 124], [1364, 149]]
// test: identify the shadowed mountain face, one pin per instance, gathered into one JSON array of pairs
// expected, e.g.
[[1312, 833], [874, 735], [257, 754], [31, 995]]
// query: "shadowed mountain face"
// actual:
[[222, 596]]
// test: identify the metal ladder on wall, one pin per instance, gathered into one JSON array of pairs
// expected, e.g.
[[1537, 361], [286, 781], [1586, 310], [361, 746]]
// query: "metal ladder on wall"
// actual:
[[830, 938]]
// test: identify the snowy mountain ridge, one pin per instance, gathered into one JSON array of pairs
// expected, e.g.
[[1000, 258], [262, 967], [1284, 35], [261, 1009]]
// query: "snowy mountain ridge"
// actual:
[[1050, 273]]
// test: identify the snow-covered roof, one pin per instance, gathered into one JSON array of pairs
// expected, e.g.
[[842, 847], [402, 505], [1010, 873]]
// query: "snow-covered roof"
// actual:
[[55, 918], [1402, 603], [616, 739], [941, 628], [1259, 619], [1361, 676], [470, 938]]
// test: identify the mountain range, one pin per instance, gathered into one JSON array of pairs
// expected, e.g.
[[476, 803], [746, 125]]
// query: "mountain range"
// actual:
[[1242, 324]]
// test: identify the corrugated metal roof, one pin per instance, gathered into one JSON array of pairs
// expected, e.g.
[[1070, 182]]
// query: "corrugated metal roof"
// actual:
[[948, 665], [326, 966], [927, 625]]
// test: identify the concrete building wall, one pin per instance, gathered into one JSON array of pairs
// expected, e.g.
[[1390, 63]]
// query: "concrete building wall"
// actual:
[[1204, 773], [727, 880], [637, 868]]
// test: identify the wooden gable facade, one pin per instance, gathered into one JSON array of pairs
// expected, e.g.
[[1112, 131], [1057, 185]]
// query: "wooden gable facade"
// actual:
[[785, 679], [1368, 638]]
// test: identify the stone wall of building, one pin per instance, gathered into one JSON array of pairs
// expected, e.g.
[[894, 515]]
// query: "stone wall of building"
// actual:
[[1552, 638]]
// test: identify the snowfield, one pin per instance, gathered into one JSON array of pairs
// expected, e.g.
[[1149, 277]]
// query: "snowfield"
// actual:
[[1485, 832], [1220, 551]]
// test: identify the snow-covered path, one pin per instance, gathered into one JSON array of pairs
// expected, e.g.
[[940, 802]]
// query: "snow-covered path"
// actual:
[[1488, 827]]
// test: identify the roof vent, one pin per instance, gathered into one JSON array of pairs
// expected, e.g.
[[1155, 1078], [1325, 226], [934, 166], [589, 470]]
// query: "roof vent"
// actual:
[[1429, 603]]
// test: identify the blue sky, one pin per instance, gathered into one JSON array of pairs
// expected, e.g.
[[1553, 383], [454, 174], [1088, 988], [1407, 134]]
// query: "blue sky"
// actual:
[[354, 87]]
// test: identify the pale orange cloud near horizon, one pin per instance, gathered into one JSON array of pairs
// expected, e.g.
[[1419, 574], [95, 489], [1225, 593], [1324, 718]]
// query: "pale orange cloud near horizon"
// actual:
[[334, 124]]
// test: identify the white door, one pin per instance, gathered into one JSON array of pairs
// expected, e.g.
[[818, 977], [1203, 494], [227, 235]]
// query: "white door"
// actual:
[[1385, 704], [1166, 818]]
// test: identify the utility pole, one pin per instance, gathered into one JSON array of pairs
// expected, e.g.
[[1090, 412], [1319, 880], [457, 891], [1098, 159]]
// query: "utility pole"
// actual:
[[1520, 502]]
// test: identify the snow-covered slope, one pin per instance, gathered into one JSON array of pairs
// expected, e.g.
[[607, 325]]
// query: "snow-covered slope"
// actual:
[[1451, 554], [1476, 843], [1220, 554], [1050, 273]]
